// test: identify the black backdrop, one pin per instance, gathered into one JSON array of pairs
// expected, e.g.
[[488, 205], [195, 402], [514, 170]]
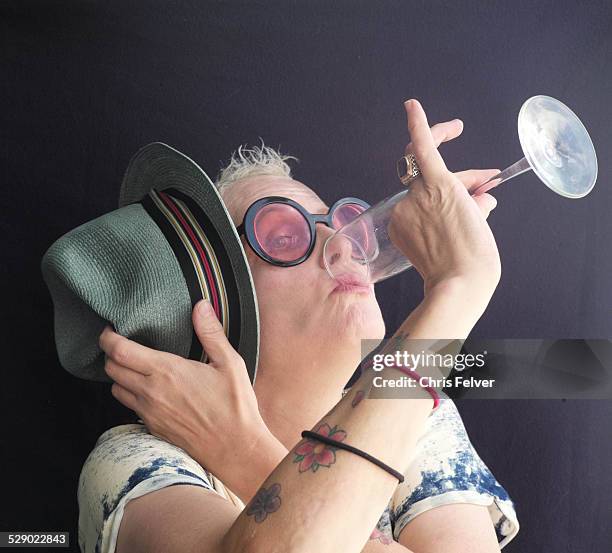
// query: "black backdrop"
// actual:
[[85, 84]]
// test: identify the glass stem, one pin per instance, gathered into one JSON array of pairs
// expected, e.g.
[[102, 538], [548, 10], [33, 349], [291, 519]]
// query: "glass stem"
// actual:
[[515, 169]]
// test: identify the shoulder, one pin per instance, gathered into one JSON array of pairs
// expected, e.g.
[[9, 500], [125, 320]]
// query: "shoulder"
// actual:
[[125, 463], [447, 469]]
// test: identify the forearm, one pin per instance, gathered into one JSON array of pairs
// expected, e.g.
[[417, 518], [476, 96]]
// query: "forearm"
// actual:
[[264, 456], [335, 505], [450, 310]]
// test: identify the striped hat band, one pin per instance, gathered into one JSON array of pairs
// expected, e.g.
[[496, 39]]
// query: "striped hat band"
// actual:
[[194, 241]]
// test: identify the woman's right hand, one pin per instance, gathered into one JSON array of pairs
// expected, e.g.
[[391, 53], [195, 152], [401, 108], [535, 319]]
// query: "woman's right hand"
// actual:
[[208, 409], [439, 227]]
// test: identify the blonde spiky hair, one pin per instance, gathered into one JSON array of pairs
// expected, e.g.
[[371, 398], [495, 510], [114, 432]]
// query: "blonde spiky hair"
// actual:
[[249, 162]]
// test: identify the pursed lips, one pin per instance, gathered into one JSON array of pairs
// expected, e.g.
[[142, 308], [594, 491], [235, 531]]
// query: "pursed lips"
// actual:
[[351, 283]]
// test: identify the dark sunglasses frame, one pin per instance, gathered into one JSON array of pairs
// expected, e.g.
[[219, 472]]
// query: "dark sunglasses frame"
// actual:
[[246, 227]]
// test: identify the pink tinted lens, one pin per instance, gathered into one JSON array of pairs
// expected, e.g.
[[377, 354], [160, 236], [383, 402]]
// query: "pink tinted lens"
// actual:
[[282, 232], [345, 214]]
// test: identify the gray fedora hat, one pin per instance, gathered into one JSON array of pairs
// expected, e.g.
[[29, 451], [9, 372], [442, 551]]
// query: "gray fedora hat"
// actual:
[[144, 266]]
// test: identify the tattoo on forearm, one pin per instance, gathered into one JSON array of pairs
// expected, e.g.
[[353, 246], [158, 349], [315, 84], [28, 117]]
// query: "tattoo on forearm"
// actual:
[[378, 535], [312, 454], [395, 343], [382, 530], [266, 501], [359, 395]]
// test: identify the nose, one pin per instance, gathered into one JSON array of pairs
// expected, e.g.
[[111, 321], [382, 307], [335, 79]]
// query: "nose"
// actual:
[[340, 255], [337, 251]]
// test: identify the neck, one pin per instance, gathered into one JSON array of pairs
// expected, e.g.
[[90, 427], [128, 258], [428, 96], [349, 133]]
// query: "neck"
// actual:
[[294, 395]]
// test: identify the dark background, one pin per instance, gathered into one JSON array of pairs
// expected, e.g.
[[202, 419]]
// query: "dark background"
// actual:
[[85, 84]]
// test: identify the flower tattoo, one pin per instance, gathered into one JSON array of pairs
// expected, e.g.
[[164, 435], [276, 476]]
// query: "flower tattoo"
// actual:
[[382, 538], [312, 454], [383, 531], [266, 501]]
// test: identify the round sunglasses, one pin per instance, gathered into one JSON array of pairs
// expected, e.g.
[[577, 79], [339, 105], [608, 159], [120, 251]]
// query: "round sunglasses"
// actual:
[[283, 233]]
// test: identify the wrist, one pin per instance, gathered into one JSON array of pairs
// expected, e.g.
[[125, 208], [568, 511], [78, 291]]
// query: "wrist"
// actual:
[[478, 287], [257, 460], [449, 310]]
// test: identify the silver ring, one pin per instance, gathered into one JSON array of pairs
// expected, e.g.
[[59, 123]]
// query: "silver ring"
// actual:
[[408, 169]]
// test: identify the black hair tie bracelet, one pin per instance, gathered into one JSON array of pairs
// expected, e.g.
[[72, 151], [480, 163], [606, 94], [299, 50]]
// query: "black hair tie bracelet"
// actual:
[[342, 445]]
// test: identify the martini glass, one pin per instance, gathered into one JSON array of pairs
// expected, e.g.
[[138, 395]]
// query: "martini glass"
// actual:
[[557, 148]]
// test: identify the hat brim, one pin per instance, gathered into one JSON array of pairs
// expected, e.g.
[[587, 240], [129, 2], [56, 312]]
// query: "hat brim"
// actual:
[[159, 166]]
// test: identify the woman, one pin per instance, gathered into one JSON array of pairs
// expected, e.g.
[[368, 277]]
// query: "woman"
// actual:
[[301, 495]]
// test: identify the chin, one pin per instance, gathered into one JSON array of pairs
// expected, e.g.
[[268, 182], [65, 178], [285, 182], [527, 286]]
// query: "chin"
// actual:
[[361, 321]]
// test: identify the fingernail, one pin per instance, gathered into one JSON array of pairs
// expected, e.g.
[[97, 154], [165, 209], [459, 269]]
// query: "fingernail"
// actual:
[[408, 103], [205, 308]]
